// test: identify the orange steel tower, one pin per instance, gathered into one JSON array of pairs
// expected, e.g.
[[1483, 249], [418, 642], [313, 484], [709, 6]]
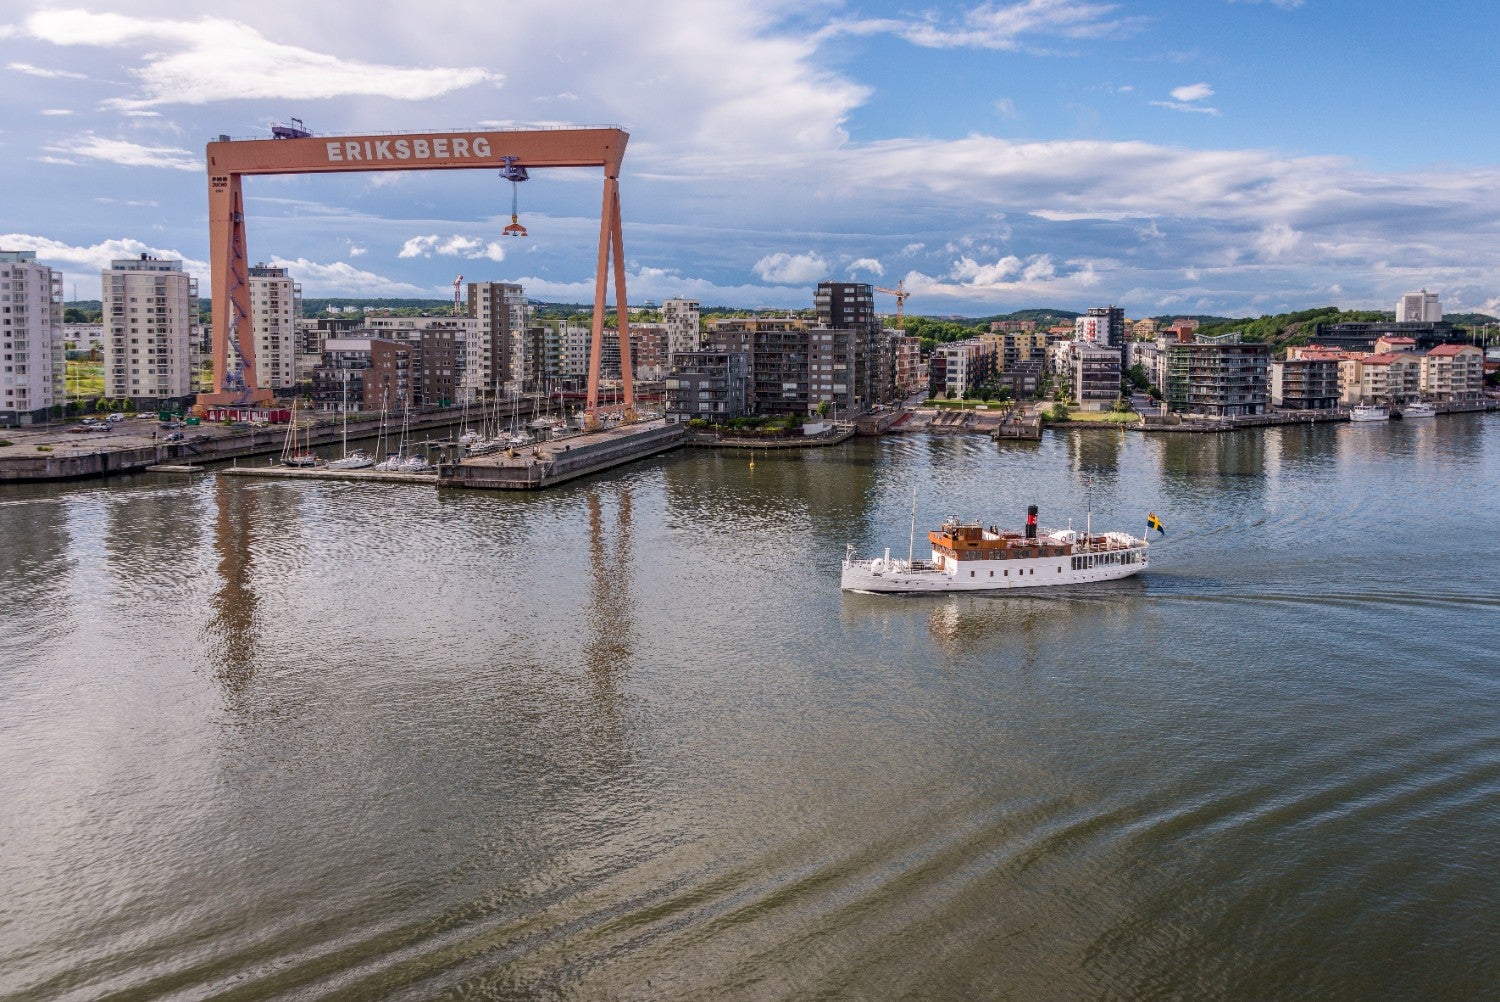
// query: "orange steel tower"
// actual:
[[299, 153]]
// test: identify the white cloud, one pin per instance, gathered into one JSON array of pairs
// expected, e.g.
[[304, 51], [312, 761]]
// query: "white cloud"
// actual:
[[57, 111], [127, 154], [81, 265], [1201, 109], [1192, 92], [869, 264], [209, 58], [998, 26], [912, 249], [1035, 278], [1006, 107], [791, 269], [357, 251], [342, 278], [453, 246], [1277, 240], [38, 71], [1187, 98]]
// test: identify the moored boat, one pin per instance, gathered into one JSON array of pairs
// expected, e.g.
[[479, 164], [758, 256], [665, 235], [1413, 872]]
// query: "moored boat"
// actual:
[[1369, 412], [971, 557], [359, 459], [1419, 409]]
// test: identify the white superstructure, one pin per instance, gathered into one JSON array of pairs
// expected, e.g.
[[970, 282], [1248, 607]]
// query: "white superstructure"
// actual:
[[31, 338]]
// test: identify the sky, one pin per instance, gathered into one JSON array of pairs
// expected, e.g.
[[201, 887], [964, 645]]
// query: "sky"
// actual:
[[1232, 157]]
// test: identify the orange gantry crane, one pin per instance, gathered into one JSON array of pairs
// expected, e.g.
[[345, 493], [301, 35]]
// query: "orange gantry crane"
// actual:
[[900, 293], [295, 150]]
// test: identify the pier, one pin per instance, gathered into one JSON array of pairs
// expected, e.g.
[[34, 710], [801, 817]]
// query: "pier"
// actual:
[[546, 464]]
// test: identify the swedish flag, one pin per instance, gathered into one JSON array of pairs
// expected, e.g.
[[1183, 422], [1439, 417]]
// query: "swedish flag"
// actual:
[[1152, 522]]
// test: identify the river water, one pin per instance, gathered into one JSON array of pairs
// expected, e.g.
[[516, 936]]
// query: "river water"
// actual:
[[627, 739]]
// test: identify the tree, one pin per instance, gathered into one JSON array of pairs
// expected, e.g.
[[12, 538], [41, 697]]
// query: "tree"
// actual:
[[823, 407]]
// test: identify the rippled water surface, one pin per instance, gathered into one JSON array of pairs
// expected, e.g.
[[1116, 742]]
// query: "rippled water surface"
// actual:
[[627, 739]]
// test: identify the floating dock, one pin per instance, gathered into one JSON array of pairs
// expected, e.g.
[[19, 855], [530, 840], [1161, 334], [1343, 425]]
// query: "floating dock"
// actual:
[[546, 464], [323, 473]]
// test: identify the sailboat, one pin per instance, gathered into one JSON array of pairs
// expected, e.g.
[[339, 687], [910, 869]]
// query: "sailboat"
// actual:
[[359, 459], [295, 452]]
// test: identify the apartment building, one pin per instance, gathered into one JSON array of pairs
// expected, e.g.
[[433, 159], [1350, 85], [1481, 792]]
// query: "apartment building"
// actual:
[[1453, 372], [1219, 377], [419, 371], [1096, 376], [1390, 376], [683, 323], [709, 385], [31, 339], [1307, 382], [503, 312], [151, 319], [338, 381], [957, 367], [275, 308], [471, 346]]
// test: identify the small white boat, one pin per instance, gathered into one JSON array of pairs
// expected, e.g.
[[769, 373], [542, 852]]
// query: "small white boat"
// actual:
[[416, 464], [1420, 409], [359, 459], [1369, 412]]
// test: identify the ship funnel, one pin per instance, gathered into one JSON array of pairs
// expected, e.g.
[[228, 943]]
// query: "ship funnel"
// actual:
[[1031, 521]]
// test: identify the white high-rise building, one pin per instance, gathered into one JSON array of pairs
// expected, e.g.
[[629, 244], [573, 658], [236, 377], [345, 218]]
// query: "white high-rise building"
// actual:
[[31, 338], [150, 316], [681, 319], [1419, 308], [275, 307]]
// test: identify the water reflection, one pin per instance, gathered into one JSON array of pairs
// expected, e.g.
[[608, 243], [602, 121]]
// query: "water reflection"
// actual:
[[233, 630], [611, 641]]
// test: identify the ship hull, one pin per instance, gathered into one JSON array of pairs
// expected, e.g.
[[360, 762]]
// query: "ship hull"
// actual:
[[990, 575]]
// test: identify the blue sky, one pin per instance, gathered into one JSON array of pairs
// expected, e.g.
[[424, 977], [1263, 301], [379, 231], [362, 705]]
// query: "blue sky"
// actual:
[[1214, 156]]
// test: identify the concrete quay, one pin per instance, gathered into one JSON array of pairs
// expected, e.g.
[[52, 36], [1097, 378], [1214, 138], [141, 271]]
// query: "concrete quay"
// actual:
[[536, 467]]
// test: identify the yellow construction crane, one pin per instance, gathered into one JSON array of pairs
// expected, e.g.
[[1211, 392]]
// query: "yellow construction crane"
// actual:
[[900, 293]]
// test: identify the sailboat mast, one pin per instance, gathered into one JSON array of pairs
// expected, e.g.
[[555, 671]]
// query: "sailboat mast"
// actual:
[[911, 540]]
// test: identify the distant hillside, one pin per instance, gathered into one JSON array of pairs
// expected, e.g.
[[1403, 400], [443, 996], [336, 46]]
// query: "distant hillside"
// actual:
[[1204, 319], [1292, 328], [1042, 317]]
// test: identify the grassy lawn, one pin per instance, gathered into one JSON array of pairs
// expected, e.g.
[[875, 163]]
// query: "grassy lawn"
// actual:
[[1103, 417], [85, 379]]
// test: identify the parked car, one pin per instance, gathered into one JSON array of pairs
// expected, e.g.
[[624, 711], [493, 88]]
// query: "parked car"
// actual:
[[176, 436]]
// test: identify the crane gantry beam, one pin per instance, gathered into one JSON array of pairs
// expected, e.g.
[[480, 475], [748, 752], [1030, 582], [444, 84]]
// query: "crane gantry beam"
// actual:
[[229, 161]]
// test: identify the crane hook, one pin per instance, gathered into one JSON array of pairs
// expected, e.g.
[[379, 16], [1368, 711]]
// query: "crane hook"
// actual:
[[515, 174]]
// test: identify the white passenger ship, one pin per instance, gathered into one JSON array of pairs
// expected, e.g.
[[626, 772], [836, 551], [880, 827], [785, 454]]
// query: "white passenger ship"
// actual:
[[969, 557]]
